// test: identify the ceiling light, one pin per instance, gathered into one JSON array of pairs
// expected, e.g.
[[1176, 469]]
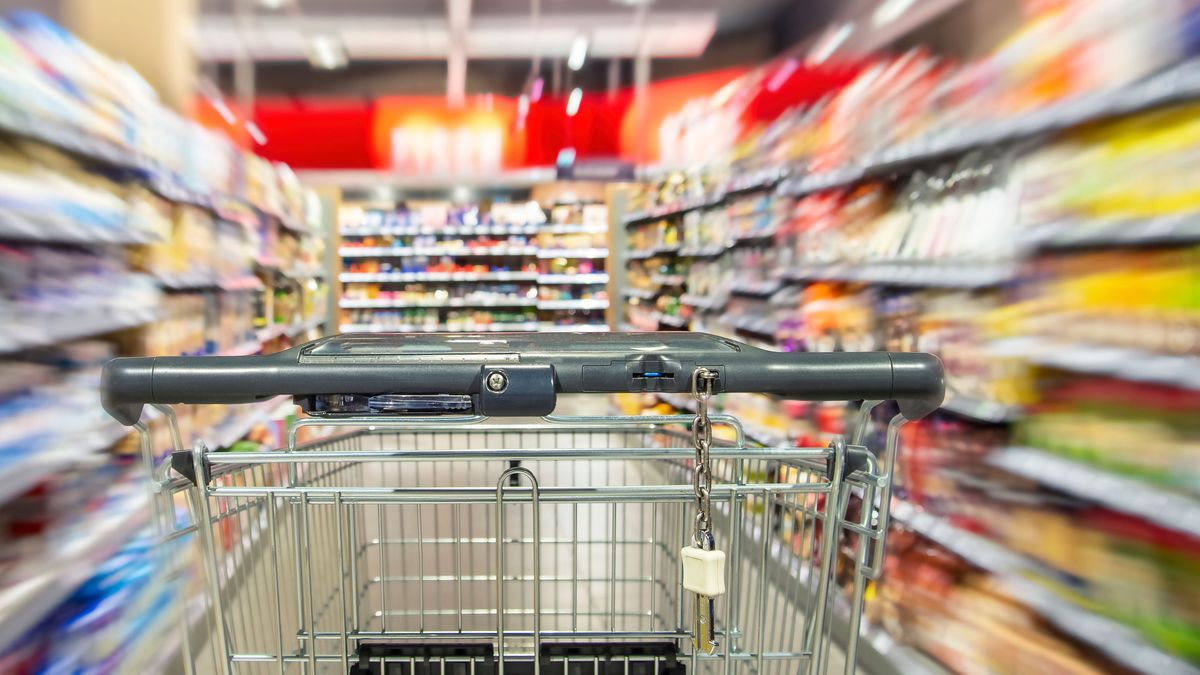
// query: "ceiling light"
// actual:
[[327, 53], [890, 10], [522, 110], [578, 53], [535, 91], [573, 101], [223, 110], [782, 75], [829, 44], [273, 4], [256, 133]]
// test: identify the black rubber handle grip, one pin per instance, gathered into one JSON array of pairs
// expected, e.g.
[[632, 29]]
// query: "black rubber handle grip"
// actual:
[[456, 364]]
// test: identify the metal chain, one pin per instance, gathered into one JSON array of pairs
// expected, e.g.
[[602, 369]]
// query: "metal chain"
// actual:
[[702, 389]]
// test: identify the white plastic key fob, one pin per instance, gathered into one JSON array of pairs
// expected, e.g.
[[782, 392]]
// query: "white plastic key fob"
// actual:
[[703, 571]]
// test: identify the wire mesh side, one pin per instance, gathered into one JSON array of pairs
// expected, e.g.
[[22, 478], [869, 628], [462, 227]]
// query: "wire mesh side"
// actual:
[[316, 567]]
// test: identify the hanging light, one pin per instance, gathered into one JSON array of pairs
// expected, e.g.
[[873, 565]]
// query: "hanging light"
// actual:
[[573, 101], [578, 54]]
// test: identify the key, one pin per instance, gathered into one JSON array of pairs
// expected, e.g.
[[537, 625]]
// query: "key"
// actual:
[[704, 577]]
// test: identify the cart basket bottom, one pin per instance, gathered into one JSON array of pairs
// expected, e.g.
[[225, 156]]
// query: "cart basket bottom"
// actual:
[[582, 658]]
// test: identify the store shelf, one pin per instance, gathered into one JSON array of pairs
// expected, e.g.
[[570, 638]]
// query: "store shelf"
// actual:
[[463, 230], [673, 210], [305, 325], [949, 274], [548, 279], [245, 419], [279, 330], [1178, 84], [246, 348], [63, 449], [573, 228], [304, 273], [440, 328], [1119, 362], [86, 146], [394, 252], [1069, 234], [572, 304], [199, 280], [572, 253], [763, 179], [44, 584], [640, 254], [757, 289], [400, 277], [980, 409], [1154, 503], [651, 321], [703, 302], [58, 228], [702, 251], [45, 331], [975, 549], [753, 238], [643, 293], [1017, 573], [668, 279], [579, 328], [513, 301], [752, 324]]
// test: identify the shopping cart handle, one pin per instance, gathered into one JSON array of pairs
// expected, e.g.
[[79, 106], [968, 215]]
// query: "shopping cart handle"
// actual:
[[505, 374]]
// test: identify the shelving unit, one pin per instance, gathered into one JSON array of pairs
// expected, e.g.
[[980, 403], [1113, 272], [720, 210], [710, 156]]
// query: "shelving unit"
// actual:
[[726, 292], [141, 234], [548, 274], [1020, 578]]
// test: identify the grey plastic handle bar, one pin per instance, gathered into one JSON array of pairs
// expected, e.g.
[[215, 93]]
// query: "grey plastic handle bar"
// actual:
[[533, 368]]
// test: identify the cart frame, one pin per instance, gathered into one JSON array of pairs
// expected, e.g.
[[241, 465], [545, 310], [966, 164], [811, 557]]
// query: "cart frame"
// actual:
[[277, 506]]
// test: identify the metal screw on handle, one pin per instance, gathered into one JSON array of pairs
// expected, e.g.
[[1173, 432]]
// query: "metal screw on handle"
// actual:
[[702, 389], [497, 381]]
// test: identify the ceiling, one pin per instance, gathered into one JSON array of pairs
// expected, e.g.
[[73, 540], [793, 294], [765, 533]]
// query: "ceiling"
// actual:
[[399, 30]]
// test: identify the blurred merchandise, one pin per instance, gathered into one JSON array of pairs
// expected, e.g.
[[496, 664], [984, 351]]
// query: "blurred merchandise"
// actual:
[[425, 257], [126, 230]]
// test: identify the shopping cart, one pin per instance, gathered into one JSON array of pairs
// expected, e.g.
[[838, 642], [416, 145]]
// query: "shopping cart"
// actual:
[[423, 536]]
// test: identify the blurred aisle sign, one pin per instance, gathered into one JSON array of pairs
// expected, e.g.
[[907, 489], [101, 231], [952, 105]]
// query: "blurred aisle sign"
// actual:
[[420, 135]]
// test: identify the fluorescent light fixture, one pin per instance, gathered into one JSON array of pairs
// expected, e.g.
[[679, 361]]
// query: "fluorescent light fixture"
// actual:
[[890, 10], [256, 133], [522, 110], [782, 75], [535, 90], [462, 193], [223, 110], [578, 53], [829, 44], [327, 53], [273, 4], [573, 101]]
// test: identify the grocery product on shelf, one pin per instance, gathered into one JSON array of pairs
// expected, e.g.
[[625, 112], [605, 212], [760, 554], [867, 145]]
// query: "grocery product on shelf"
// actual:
[[1047, 517], [410, 264], [127, 230]]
